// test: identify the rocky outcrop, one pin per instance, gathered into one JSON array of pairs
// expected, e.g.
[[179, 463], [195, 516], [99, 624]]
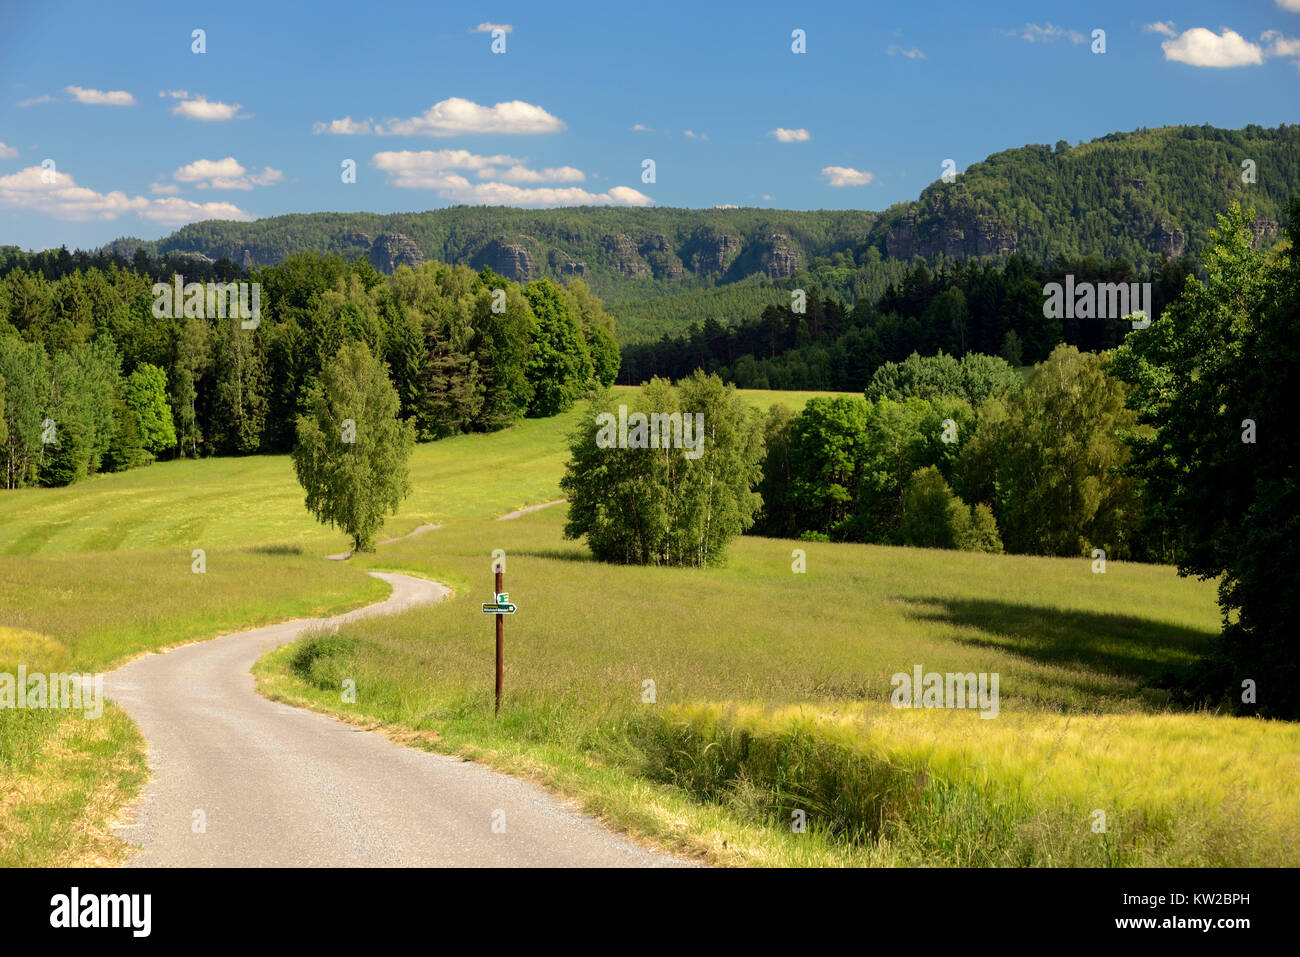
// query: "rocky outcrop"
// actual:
[[714, 252], [391, 250], [509, 259], [1168, 239], [959, 238], [777, 257], [664, 262], [562, 264], [1261, 228], [626, 257]]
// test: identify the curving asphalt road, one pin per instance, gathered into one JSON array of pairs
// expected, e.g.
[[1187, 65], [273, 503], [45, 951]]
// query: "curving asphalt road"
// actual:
[[279, 786]]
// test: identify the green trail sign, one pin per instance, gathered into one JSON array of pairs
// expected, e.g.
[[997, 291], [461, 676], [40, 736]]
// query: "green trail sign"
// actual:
[[501, 606]]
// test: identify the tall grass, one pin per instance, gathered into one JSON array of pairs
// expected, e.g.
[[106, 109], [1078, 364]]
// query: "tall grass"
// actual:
[[758, 714]]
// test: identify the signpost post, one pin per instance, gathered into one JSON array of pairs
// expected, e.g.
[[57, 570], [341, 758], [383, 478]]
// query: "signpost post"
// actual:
[[501, 607]]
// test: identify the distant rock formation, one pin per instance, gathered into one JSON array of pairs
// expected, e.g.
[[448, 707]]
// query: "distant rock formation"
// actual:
[[564, 265], [626, 256], [509, 259], [714, 252], [777, 257], [1168, 239], [391, 250]]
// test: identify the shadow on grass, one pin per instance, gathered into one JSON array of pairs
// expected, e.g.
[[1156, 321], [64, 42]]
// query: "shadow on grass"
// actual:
[[1153, 652], [559, 554], [275, 549]]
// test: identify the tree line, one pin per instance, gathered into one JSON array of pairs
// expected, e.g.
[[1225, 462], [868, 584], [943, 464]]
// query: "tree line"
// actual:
[[982, 307], [93, 380]]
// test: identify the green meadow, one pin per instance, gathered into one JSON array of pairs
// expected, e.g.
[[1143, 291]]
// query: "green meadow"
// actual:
[[702, 710]]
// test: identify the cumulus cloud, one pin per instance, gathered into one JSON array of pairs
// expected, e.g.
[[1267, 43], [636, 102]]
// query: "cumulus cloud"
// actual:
[[1201, 47], [1292, 5], [64, 199], [911, 53], [164, 189], [455, 115], [691, 134], [489, 27], [1279, 45], [345, 127], [1163, 27], [225, 173], [442, 171], [641, 128], [790, 136], [846, 176], [173, 211], [7, 152], [100, 97], [199, 107], [426, 169], [522, 174]]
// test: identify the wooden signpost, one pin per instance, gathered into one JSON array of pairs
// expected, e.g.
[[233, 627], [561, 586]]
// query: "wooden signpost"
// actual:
[[501, 607]]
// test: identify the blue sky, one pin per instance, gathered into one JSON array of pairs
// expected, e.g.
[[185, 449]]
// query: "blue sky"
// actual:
[[146, 135]]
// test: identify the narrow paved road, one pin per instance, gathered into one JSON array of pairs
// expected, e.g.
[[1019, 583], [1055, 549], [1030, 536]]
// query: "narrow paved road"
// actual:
[[278, 786]]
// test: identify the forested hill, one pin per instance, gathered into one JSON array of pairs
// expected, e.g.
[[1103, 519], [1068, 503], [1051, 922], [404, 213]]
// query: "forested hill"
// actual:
[[1130, 195], [1138, 196]]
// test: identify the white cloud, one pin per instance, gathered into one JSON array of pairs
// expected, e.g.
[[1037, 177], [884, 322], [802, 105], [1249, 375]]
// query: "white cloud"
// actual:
[[846, 176], [64, 199], [1278, 45], [427, 169], [44, 98], [7, 152], [1292, 5], [1201, 47], [522, 174], [225, 173], [641, 128], [1050, 33], [345, 127], [1164, 27], [455, 115], [177, 212], [489, 27], [790, 136], [439, 170], [691, 134], [199, 107], [911, 53], [725, 206], [164, 189], [100, 97]]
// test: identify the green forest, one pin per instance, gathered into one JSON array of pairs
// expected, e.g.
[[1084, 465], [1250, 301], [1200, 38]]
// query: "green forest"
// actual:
[[92, 379]]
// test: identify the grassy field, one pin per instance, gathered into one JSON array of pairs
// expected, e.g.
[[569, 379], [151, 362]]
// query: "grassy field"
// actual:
[[232, 502], [771, 688]]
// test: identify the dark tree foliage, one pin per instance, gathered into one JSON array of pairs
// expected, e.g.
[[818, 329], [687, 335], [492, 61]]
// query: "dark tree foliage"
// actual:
[[465, 351], [1214, 382]]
